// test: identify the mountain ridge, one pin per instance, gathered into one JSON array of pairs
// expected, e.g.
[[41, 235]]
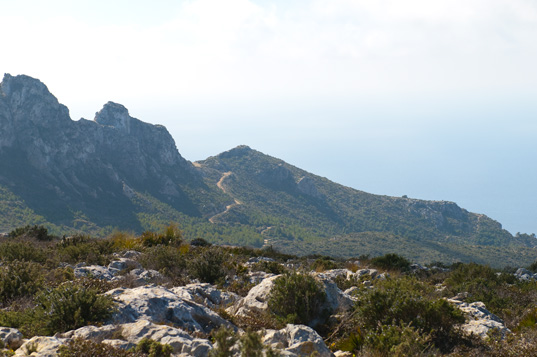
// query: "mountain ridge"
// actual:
[[116, 171]]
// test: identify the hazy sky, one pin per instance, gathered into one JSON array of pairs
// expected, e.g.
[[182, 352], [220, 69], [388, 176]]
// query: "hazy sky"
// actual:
[[432, 99]]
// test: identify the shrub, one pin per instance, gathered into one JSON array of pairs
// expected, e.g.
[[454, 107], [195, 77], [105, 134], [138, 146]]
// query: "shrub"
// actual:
[[410, 302], [71, 306], [398, 340], [391, 262], [18, 279], [23, 251], [298, 298], [39, 233], [200, 242], [324, 263], [207, 266], [171, 235], [153, 348], [82, 248], [124, 241], [224, 340], [250, 344], [167, 260], [269, 267]]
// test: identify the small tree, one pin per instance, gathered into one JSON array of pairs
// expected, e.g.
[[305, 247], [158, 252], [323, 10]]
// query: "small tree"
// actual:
[[298, 298]]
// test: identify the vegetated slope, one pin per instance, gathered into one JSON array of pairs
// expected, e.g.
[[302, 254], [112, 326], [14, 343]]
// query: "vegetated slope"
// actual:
[[118, 172], [304, 213]]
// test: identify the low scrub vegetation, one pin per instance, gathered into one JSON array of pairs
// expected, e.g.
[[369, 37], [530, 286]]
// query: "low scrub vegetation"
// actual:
[[404, 312]]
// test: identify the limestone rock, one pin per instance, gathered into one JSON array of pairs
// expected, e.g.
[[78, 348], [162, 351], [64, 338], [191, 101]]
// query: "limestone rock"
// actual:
[[10, 337], [255, 301], [206, 294], [161, 305], [479, 320], [42, 346], [297, 340]]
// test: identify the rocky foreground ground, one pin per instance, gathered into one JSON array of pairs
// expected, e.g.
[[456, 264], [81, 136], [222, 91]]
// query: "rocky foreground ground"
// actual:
[[184, 316]]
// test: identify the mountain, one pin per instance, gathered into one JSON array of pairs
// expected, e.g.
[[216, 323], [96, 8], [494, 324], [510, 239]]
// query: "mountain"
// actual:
[[116, 171], [89, 173]]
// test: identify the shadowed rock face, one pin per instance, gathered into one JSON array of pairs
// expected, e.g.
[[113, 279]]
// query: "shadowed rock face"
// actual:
[[85, 163]]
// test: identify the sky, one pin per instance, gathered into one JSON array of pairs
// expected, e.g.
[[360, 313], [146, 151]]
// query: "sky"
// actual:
[[436, 100]]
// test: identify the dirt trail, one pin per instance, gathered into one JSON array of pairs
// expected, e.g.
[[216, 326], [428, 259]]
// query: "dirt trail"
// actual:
[[228, 207]]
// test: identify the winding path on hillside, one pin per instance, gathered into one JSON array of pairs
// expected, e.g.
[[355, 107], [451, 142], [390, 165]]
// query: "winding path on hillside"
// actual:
[[220, 185]]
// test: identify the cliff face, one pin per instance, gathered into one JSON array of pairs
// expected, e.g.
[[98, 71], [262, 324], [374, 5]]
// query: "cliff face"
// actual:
[[93, 166]]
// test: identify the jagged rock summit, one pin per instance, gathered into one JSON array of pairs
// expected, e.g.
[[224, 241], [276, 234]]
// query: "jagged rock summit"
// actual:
[[93, 167]]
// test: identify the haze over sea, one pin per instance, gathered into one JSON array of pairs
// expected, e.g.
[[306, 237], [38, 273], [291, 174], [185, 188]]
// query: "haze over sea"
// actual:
[[434, 100]]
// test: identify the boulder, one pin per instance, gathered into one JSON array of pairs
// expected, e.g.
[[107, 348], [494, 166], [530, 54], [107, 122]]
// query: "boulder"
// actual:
[[42, 346], [128, 335], [96, 271], [124, 263], [161, 305], [10, 337], [479, 321], [296, 340], [206, 294], [255, 301]]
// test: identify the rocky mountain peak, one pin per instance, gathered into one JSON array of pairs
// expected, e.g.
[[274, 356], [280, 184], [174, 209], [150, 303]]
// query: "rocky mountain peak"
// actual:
[[30, 100], [114, 115]]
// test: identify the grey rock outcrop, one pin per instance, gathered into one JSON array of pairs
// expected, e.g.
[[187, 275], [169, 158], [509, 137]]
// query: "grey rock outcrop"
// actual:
[[42, 346], [296, 340], [479, 321], [158, 304], [129, 334], [94, 166]]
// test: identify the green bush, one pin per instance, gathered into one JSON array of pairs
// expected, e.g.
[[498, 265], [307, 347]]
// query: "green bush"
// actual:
[[82, 248], [399, 341], [23, 251], [167, 260], [410, 302], [18, 279], [297, 298], [71, 306], [269, 267], [39, 233], [224, 339], [250, 344], [171, 235], [153, 348], [207, 266], [391, 262]]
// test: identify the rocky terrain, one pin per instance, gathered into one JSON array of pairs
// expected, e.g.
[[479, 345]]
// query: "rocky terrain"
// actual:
[[185, 296]]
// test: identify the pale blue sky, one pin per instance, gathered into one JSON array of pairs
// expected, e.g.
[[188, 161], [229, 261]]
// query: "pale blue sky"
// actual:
[[432, 99]]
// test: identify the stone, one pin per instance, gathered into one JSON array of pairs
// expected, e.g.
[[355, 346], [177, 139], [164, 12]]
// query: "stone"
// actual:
[[10, 337], [161, 305], [206, 294], [42, 346], [255, 301], [129, 334], [124, 263], [297, 340], [95, 271], [480, 321]]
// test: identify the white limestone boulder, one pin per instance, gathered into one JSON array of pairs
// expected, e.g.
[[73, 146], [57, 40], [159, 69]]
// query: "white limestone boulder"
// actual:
[[161, 305], [42, 346], [206, 295], [480, 321], [296, 340]]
